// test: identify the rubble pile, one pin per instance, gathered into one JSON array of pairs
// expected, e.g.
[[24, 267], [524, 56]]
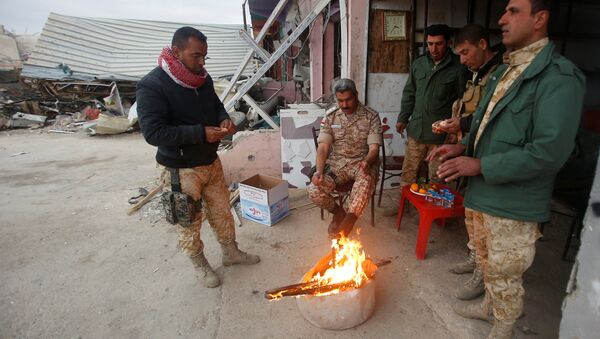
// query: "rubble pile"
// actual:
[[98, 107]]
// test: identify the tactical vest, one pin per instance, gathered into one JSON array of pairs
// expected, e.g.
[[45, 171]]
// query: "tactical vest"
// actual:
[[472, 95]]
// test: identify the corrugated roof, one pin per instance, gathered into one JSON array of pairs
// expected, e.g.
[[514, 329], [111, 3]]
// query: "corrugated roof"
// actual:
[[123, 49]]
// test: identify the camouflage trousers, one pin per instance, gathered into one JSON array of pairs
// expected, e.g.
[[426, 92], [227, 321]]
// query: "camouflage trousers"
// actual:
[[206, 183], [505, 250], [362, 189], [415, 153]]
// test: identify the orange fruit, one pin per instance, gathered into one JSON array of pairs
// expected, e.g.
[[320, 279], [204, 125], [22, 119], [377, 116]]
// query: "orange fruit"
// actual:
[[422, 191], [414, 187]]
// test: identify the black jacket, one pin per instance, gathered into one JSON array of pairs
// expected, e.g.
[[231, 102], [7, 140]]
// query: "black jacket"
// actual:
[[173, 117]]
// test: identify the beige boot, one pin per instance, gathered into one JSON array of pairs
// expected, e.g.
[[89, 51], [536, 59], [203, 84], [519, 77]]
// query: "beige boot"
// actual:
[[501, 330], [466, 266], [208, 277], [481, 310], [233, 256], [473, 287]]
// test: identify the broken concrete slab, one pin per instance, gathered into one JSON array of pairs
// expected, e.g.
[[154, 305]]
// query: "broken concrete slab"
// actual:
[[107, 124], [26, 120], [253, 152]]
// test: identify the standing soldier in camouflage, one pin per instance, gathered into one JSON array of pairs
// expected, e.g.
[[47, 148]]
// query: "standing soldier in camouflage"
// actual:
[[473, 47], [180, 113], [523, 132], [352, 132], [435, 81]]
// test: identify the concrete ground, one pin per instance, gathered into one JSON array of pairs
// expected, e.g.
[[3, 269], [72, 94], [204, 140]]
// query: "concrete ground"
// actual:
[[75, 265]]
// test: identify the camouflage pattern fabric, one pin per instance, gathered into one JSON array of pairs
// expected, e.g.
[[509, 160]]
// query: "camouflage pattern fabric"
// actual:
[[505, 250], [362, 189], [206, 183], [415, 153], [349, 135], [469, 227], [518, 61]]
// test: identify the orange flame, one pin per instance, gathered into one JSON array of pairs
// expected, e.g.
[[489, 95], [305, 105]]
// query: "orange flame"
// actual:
[[346, 266]]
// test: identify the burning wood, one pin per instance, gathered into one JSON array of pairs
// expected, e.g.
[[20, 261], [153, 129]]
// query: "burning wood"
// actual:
[[311, 287], [344, 268]]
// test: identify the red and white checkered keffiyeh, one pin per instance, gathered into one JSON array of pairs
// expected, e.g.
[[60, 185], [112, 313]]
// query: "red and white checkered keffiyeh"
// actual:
[[178, 72]]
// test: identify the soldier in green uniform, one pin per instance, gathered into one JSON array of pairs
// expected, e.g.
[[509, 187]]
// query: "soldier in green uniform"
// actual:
[[523, 131], [435, 81], [473, 47]]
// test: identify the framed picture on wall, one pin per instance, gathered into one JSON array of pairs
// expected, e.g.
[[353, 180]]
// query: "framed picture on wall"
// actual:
[[394, 25]]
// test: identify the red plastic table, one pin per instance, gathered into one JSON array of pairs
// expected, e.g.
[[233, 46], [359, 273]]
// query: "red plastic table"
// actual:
[[428, 212]]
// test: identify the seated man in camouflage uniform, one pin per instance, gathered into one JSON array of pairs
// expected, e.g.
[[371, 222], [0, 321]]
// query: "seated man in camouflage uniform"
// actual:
[[352, 132]]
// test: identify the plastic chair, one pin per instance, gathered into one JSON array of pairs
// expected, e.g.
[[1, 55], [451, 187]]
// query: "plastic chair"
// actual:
[[342, 192]]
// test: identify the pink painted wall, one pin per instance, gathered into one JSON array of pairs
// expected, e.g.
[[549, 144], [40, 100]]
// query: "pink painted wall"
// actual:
[[358, 11], [288, 90], [316, 59], [328, 55]]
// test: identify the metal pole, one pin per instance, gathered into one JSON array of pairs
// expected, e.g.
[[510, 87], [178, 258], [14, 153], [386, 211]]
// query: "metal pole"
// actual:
[[244, 14]]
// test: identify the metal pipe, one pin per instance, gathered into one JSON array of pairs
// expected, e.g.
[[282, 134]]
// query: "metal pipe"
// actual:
[[244, 15]]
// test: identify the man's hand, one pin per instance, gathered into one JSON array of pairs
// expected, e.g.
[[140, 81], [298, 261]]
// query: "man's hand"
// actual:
[[214, 134], [445, 152], [459, 167], [317, 179], [451, 125], [229, 126], [400, 127]]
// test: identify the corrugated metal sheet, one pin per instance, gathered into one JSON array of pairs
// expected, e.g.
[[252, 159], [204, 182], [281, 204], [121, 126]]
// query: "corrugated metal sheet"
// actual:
[[123, 49]]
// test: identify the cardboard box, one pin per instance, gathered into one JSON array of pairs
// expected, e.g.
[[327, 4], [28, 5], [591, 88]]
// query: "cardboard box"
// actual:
[[264, 199]]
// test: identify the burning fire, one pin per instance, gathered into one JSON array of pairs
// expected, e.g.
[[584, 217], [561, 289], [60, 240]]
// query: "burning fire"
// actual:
[[345, 266]]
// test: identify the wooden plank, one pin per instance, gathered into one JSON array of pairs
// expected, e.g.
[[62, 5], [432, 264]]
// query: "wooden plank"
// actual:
[[387, 56]]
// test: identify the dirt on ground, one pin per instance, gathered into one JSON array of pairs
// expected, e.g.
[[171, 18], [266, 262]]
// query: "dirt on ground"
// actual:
[[75, 265]]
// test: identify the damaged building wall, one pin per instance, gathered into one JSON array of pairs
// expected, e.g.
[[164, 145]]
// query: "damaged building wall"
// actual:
[[581, 307], [123, 49], [10, 59]]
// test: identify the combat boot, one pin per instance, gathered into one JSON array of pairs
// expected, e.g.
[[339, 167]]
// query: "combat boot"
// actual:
[[481, 310], [233, 256], [466, 266], [208, 277], [338, 216], [501, 330], [473, 288]]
